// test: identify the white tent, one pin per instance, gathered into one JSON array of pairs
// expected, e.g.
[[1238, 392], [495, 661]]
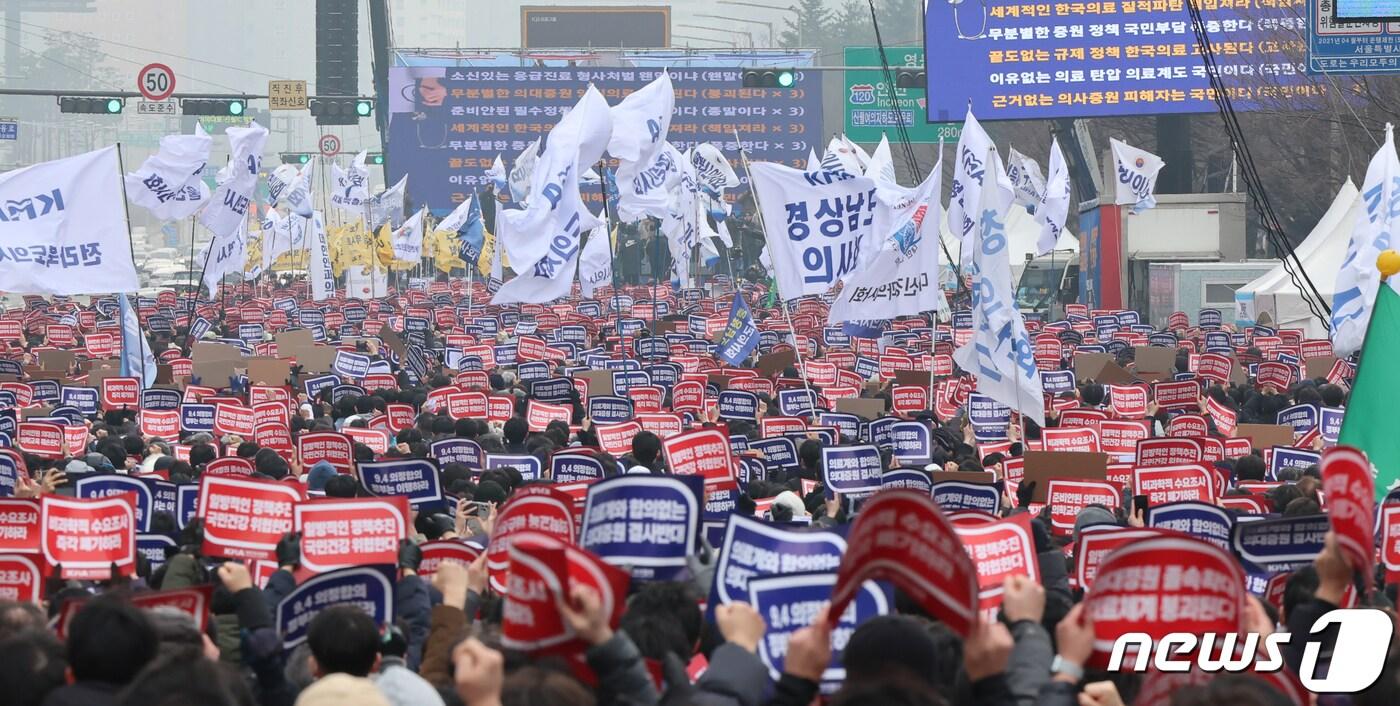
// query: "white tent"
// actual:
[[1321, 253], [1021, 234]]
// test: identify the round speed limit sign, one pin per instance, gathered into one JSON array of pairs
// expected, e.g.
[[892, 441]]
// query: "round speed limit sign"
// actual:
[[330, 145], [155, 81]]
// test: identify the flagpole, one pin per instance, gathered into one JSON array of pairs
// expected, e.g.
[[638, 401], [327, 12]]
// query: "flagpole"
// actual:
[[131, 245], [782, 301], [612, 259]]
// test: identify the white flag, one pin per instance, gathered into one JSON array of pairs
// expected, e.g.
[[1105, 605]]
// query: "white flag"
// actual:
[[1054, 203], [1358, 281], [814, 163], [225, 255], [351, 191], [238, 180], [844, 153], [298, 197], [646, 162], [595, 269], [137, 358], [407, 240], [522, 173], [458, 218], [276, 236], [319, 269], [1137, 176], [968, 171], [279, 180], [169, 184], [552, 276], [576, 141], [497, 271], [713, 174], [817, 223], [1025, 175], [681, 225], [497, 175], [1000, 354], [881, 164], [387, 206], [63, 228], [902, 280]]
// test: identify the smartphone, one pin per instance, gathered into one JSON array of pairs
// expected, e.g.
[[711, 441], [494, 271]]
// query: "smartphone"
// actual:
[[480, 509], [1140, 503]]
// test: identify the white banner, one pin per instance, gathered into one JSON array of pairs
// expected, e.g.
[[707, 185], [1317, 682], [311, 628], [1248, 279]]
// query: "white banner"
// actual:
[[238, 180], [407, 240], [351, 191], [497, 175], [681, 224], [522, 172], [366, 282], [168, 184], [969, 168], [319, 269], [843, 153], [1054, 203], [552, 276], [299, 195], [1358, 280], [1137, 176], [816, 222], [387, 206], [881, 165], [1026, 177], [595, 269], [999, 355], [458, 218], [902, 280], [646, 162], [63, 228], [576, 142], [225, 255]]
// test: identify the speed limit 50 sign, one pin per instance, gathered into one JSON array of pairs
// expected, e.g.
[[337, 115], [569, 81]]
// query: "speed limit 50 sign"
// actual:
[[155, 82]]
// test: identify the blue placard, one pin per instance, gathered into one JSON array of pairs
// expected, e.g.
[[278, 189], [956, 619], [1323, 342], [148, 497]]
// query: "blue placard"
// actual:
[[340, 392], [609, 409], [68, 412], [880, 432], [1200, 520], [652, 347], [1330, 423], [196, 417], [797, 403], [109, 484], [414, 478], [313, 386], [912, 442], [9, 475], [851, 470], [155, 547], [779, 453], [1165, 340], [740, 336], [351, 365], [910, 478], [506, 354], [752, 548], [1056, 381], [958, 495], [867, 368], [83, 398], [44, 390], [463, 451], [847, 424], [643, 522], [533, 370], [575, 467], [991, 420], [621, 364], [592, 310], [835, 336], [369, 588], [160, 399], [624, 380], [1301, 417], [630, 327], [187, 502], [790, 603], [530, 467], [553, 390], [1281, 544], [1288, 457], [738, 405], [488, 324], [664, 374], [250, 333], [1209, 318]]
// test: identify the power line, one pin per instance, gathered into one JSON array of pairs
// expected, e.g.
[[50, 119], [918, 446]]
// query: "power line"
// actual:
[[46, 57]]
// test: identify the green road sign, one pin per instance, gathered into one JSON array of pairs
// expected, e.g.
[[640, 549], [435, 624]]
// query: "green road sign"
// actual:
[[868, 109]]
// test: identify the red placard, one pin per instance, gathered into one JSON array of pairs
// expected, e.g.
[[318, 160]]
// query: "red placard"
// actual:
[[1070, 439], [661, 424], [19, 525], [61, 335], [377, 440], [43, 439], [1165, 584], [21, 578], [192, 601], [538, 414], [379, 381], [1246, 504], [1067, 496], [100, 345], [500, 408], [616, 439], [1390, 541], [686, 396], [1223, 416], [1351, 505], [901, 536], [230, 418], [229, 466], [1276, 375], [1127, 401], [908, 399], [1081, 417], [121, 393], [245, 518], [270, 411], [1120, 437], [452, 551], [329, 446], [1168, 452], [1214, 367], [703, 452], [1174, 484], [770, 427], [542, 571], [1176, 395], [275, 436], [999, 550], [87, 537], [1187, 426], [351, 532], [533, 508], [161, 423], [400, 415], [1095, 543]]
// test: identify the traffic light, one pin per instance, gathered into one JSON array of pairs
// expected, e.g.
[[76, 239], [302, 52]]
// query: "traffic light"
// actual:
[[769, 78], [207, 106], [911, 78], [103, 106], [376, 158], [341, 111], [296, 157]]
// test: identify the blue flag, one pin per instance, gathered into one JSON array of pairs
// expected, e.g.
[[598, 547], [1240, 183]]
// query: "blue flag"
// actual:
[[740, 335], [471, 235]]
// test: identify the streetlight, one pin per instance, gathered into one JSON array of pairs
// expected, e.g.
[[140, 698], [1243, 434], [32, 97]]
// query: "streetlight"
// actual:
[[702, 39], [797, 14], [772, 38], [722, 31]]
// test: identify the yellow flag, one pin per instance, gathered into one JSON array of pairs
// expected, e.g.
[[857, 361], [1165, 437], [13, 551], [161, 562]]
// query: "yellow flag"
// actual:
[[488, 246], [383, 245], [254, 245], [445, 251]]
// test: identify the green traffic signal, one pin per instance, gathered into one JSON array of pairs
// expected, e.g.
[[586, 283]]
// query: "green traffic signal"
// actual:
[[376, 158], [114, 105], [786, 79], [235, 107], [363, 108]]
